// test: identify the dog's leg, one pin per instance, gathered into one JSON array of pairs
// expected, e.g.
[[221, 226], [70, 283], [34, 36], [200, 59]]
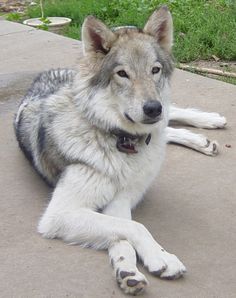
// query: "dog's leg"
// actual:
[[197, 118], [122, 254], [192, 140], [70, 216]]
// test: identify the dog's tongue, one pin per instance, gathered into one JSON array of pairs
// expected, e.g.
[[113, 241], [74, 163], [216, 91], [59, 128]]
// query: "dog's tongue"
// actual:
[[125, 145]]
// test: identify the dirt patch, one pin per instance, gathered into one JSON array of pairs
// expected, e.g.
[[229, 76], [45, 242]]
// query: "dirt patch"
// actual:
[[220, 70], [13, 6], [229, 66]]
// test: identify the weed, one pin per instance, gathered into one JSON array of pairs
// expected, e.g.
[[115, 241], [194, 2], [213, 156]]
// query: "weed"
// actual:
[[14, 17]]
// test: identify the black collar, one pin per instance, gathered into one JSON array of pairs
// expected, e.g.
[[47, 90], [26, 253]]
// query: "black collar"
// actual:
[[126, 142]]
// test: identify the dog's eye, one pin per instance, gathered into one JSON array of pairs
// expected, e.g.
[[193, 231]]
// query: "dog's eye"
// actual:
[[155, 69], [122, 74]]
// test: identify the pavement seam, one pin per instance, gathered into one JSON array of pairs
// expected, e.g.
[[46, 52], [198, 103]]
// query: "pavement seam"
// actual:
[[23, 31]]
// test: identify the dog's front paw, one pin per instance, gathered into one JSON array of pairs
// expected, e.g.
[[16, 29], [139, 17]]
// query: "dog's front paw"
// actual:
[[165, 265], [213, 121], [131, 282]]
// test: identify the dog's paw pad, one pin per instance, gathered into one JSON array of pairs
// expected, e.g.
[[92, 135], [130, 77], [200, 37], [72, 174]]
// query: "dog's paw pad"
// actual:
[[124, 274], [131, 282], [169, 275], [159, 271], [172, 277], [211, 148], [172, 269]]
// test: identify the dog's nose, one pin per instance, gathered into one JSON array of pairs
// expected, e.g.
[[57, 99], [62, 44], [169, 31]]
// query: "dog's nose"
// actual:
[[152, 108]]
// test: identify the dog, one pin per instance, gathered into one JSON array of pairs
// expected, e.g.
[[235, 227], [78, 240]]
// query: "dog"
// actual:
[[98, 136]]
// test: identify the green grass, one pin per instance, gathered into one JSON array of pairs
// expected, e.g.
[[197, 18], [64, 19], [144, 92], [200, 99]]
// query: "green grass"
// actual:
[[202, 28], [227, 80], [14, 17]]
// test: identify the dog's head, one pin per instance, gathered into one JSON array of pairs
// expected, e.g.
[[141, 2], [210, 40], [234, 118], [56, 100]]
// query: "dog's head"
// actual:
[[129, 71]]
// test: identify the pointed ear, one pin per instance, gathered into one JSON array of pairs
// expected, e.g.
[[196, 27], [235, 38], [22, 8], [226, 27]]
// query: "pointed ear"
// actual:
[[160, 26], [96, 36]]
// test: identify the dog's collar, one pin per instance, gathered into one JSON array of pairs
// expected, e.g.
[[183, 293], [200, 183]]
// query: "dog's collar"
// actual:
[[126, 142]]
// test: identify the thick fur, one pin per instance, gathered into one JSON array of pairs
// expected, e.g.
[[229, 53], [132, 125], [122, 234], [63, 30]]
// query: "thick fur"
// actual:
[[65, 126]]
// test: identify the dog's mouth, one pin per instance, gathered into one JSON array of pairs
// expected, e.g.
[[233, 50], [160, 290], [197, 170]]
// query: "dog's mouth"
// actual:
[[152, 120], [145, 121]]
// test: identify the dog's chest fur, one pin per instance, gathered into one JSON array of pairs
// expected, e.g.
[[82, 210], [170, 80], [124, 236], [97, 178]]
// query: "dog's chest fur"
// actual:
[[83, 143]]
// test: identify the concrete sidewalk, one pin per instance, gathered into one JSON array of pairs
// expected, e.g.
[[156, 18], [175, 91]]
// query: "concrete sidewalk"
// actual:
[[190, 209]]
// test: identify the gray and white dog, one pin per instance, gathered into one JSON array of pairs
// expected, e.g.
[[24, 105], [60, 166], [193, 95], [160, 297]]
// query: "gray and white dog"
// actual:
[[98, 135]]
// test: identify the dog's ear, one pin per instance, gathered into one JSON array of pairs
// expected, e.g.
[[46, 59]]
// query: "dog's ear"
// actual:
[[96, 36], [160, 26]]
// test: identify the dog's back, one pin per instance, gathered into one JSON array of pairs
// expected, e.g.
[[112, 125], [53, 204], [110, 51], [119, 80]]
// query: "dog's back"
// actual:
[[32, 121]]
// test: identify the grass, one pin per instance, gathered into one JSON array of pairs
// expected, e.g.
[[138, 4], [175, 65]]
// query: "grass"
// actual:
[[226, 80], [202, 28], [14, 17]]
